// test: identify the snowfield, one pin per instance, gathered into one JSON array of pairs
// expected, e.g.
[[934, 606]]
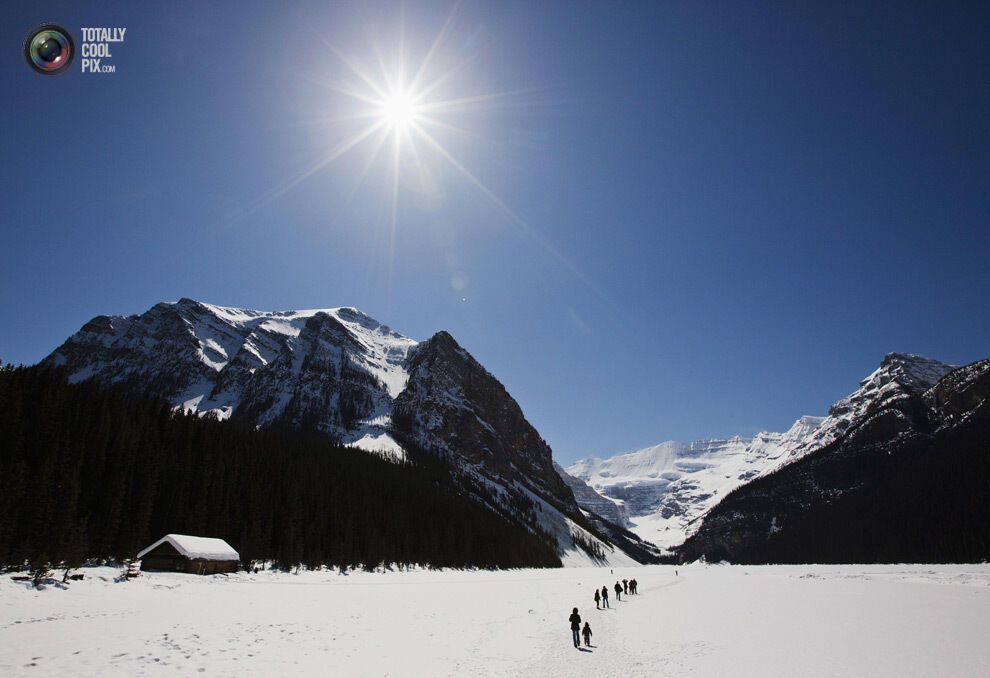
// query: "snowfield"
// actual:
[[666, 488], [894, 620]]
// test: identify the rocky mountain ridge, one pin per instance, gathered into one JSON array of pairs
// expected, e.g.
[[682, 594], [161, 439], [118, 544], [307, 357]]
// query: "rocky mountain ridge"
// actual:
[[339, 372], [907, 480], [899, 376]]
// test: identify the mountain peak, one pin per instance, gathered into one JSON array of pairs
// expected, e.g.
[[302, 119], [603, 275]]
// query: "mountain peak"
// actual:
[[444, 338], [914, 373], [895, 358]]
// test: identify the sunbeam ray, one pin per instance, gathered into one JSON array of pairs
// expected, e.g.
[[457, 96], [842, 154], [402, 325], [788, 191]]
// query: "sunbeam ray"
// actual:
[[425, 64], [341, 149], [519, 221], [368, 80]]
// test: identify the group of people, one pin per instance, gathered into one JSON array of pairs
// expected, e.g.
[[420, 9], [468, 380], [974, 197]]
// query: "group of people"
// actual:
[[628, 586]]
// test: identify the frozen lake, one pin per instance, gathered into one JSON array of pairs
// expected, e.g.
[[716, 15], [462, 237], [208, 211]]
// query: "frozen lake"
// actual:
[[892, 620]]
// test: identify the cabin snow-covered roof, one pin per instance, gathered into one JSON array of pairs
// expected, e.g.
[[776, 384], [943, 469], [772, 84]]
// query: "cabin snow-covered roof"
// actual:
[[206, 548]]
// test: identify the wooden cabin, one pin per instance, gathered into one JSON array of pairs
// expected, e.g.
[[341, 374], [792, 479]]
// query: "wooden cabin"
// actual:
[[185, 553]]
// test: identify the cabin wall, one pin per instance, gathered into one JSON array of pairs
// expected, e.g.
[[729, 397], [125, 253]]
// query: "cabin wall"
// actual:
[[211, 566], [164, 558]]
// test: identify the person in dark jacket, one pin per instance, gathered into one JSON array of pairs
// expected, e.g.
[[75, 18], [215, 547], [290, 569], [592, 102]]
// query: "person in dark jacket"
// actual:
[[632, 586], [587, 634], [618, 591], [604, 597], [575, 620], [625, 586], [598, 599]]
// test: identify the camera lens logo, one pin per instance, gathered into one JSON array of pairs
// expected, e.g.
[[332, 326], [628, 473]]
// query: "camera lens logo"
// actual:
[[49, 49]]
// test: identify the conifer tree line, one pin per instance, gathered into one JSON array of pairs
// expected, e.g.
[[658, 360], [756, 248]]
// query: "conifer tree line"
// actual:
[[89, 472]]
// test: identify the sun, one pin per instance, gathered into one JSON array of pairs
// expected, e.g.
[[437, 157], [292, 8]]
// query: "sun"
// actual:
[[414, 117], [399, 110]]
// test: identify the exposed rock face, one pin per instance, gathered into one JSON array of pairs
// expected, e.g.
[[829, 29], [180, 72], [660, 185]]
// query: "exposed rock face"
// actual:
[[453, 404], [907, 478]]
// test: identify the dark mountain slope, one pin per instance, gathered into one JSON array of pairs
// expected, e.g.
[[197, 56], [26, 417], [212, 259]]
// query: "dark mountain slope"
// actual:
[[909, 482]]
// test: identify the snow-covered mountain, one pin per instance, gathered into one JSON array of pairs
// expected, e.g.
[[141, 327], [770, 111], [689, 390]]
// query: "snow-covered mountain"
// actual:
[[342, 373], [664, 489], [667, 488], [901, 474], [899, 376]]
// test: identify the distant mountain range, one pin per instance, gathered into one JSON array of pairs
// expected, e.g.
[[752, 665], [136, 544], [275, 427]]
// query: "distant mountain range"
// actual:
[[339, 372], [666, 488], [757, 499]]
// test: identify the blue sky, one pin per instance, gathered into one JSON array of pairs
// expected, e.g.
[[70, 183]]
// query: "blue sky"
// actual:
[[723, 215]]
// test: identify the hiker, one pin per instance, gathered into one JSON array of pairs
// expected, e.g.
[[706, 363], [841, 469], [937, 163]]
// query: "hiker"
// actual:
[[632, 586], [625, 586], [604, 597], [618, 591], [575, 620], [587, 634], [598, 599]]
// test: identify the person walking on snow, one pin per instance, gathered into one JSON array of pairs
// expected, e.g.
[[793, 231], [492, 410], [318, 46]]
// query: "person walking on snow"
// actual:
[[587, 634], [598, 599], [604, 597], [625, 586], [618, 591], [575, 620], [632, 586]]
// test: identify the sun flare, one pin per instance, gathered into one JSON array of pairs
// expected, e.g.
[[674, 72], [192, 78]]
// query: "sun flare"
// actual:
[[399, 110], [416, 118]]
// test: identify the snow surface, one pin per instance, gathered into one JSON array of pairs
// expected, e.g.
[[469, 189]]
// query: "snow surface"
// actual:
[[666, 488], [209, 548], [810, 621]]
